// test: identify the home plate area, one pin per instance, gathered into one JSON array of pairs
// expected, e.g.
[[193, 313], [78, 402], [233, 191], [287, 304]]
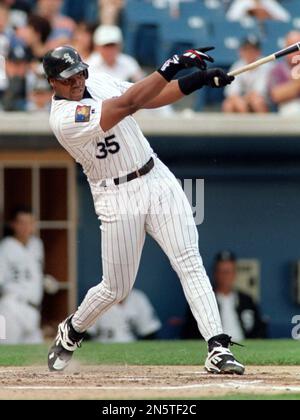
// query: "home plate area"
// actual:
[[143, 382]]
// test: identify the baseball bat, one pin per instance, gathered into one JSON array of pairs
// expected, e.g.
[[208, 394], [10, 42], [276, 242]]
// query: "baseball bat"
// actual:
[[264, 60]]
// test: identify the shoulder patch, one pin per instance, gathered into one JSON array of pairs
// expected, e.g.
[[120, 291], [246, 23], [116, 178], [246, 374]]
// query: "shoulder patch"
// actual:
[[82, 114]]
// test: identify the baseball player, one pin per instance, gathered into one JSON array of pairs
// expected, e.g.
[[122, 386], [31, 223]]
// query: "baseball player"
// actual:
[[134, 192], [129, 320], [21, 280]]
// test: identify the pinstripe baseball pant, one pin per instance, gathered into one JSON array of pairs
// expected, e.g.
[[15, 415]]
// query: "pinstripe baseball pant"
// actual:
[[153, 204]]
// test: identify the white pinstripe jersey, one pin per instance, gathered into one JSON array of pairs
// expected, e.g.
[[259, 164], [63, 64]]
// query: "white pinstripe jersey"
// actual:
[[103, 155]]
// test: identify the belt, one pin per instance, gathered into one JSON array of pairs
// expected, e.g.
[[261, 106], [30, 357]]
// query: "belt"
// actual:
[[133, 175]]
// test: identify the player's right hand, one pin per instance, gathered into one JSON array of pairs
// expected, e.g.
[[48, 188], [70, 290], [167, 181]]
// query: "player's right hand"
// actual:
[[217, 78], [191, 58]]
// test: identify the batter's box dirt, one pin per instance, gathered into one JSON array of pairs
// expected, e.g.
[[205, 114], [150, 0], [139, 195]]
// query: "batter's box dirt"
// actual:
[[143, 382]]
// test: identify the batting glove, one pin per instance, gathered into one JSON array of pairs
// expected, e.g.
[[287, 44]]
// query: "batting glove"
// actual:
[[191, 58], [215, 78]]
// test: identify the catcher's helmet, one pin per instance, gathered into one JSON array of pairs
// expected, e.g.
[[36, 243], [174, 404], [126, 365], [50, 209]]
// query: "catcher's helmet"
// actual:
[[63, 62]]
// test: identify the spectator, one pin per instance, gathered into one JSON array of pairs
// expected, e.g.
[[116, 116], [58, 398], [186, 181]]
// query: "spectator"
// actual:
[[17, 67], [4, 44], [83, 40], [23, 5], [130, 320], [110, 11], [62, 26], [260, 9], [80, 12], [35, 35], [22, 280], [284, 80], [108, 58], [39, 98], [249, 91], [240, 315], [4, 30]]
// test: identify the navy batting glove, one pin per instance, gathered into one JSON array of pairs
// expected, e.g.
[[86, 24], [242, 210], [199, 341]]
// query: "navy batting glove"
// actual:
[[218, 78], [191, 58], [198, 79]]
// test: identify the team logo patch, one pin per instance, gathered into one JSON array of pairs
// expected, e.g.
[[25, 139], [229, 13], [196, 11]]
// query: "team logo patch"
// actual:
[[82, 114]]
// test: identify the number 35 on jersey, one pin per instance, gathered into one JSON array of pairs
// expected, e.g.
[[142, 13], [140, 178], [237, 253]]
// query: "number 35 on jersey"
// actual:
[[109, 145]]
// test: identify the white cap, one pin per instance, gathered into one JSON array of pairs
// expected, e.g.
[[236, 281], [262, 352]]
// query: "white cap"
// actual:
[[106, 34]]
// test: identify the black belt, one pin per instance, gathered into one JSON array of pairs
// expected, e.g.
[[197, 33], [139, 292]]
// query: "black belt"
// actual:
[[136, 174]]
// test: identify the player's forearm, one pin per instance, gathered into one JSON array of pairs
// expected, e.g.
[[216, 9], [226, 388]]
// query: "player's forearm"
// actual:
[[143, 92], [286, 92], [169, 95], [177, 89]]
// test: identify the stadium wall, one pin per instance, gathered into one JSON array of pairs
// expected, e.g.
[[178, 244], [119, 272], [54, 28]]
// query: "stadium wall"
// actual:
[[251, 167]]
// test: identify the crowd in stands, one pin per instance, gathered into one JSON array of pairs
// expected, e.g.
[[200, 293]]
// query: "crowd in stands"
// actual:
[[29, 28]]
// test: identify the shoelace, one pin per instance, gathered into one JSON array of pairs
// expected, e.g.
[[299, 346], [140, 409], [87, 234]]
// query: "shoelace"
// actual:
[[76, 343], [233, 343]]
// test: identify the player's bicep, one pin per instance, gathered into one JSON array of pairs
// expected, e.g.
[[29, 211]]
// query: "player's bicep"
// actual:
[[113, 111]]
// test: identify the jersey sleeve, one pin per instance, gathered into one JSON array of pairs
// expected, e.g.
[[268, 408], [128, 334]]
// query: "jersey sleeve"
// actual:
[[124, 86], [77, 123]]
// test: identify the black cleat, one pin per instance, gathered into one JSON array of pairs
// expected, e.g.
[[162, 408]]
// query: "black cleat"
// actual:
[[220, 360], [66, 342]]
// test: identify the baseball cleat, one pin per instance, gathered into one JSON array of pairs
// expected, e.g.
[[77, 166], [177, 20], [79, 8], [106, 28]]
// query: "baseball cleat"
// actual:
[[66, 342], [220, 360]]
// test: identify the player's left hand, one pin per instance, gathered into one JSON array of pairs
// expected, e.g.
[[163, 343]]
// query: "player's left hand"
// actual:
[[196, 58], [192, 58]]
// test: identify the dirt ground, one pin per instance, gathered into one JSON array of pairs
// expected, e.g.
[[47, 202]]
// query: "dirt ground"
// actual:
[[142, 382]]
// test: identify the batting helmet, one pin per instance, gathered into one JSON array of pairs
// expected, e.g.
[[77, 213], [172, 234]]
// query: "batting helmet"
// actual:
[[63, 62]]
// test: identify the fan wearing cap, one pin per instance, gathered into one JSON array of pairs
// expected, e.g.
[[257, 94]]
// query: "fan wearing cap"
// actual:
[[108, 57], [249, 93], [17, 66], [259, 9], [40, 95], [62, 26]]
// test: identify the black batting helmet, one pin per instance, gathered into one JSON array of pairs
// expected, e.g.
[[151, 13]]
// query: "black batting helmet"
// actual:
[[63, 62]]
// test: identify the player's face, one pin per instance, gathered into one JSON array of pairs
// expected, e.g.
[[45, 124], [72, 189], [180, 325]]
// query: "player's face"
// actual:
[[23, 226], [225, 274], [72, 88]]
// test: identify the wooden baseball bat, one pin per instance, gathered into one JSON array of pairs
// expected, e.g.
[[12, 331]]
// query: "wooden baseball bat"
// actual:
[[264, 60]]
